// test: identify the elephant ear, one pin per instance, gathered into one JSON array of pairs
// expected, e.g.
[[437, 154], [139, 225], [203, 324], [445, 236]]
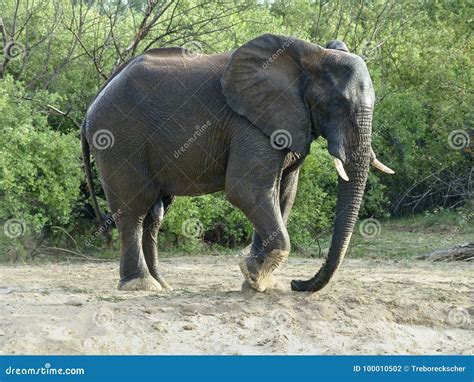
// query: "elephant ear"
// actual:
[[263, 82]]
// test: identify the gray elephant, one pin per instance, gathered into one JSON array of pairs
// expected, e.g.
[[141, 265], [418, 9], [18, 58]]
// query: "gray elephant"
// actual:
[[170, 122]]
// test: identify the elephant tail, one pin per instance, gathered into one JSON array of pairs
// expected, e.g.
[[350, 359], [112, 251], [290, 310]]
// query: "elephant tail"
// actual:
[[86, 157]]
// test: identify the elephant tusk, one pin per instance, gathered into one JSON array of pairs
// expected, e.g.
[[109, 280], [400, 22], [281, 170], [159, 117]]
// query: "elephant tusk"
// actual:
[[379, 165], [340, 169]]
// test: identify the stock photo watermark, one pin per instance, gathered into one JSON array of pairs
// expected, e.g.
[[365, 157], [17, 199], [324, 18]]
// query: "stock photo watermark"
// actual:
[[281, 139], [276, 329], [459, 139], [192, 228], [281, 318], [103, 228], [370, 228], [103, 317], [464, 221], [199, 130], [459, 317], [13, 50], [14, 228], [103, 139], [370, 50], [270, 238], [278, 52], [192, 49], [47, 369]]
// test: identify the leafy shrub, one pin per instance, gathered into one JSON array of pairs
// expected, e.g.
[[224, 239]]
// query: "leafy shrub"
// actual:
[[210, 218], [39, 167]]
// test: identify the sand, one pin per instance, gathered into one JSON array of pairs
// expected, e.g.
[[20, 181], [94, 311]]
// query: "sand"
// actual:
[[370, 307]]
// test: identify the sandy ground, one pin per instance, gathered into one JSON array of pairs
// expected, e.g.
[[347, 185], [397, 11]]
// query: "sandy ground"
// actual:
[[370, 308]]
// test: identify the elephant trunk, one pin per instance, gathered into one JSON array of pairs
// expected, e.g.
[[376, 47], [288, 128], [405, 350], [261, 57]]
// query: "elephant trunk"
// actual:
[[349, 198]]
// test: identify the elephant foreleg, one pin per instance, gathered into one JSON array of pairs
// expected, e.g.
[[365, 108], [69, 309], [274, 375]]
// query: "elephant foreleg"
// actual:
[[288, 188]]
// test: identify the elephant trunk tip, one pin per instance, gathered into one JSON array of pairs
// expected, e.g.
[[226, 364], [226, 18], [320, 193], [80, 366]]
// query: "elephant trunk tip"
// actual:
[[299, 285], [312, 285]]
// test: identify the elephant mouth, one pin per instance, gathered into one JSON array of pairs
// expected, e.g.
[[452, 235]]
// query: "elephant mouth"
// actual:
[[340, 160]]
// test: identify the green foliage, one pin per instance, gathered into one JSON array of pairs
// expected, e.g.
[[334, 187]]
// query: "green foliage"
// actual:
[[39, 167], [315, 199], [218, 222], [418, 54]]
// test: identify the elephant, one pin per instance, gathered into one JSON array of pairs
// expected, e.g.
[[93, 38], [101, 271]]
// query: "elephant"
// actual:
[[171, 122]]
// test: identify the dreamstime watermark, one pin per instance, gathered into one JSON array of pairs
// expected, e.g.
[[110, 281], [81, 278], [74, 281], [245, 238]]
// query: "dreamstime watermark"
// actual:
[[459, 317], [192, 49], [459, 139], [199, 130], [382, 131], [281, 319], [370, 50], [276, 329], [456, 230], [281, 139], [103, 139], [265, 243], [278, 52], [370, 228], [13, 50], [192, 228], [105, 225], [270, 238], [103, 317], [14, 228], [44, 370]]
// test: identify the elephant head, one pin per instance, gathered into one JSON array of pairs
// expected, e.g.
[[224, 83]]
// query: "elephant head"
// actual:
[[288, 85]]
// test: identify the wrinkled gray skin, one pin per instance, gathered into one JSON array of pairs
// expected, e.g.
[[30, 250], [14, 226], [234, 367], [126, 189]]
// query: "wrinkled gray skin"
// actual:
[[252, 101]]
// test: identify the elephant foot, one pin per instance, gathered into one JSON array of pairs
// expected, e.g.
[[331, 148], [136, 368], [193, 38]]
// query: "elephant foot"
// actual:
[[258, 273], [146, 283]]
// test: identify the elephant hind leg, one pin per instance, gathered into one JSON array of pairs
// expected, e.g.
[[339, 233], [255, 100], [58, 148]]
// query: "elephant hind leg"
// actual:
[[131, 193], [151, 226], [134, 274]]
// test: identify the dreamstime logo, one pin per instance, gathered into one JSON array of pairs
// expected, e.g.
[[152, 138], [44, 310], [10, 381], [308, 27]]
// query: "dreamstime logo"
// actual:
[[192, 228], [13, 50], [103, 317], [281, 139], [370, 228], [192, 49], [458, 139], [370, 50], [276, 329], [14, 228], [103, 139], [281, 318], [459, 317]]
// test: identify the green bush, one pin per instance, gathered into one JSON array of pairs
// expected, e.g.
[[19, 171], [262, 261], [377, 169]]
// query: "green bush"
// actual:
[[315, 199], [209, 218], [420, 67], [39, 167]]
